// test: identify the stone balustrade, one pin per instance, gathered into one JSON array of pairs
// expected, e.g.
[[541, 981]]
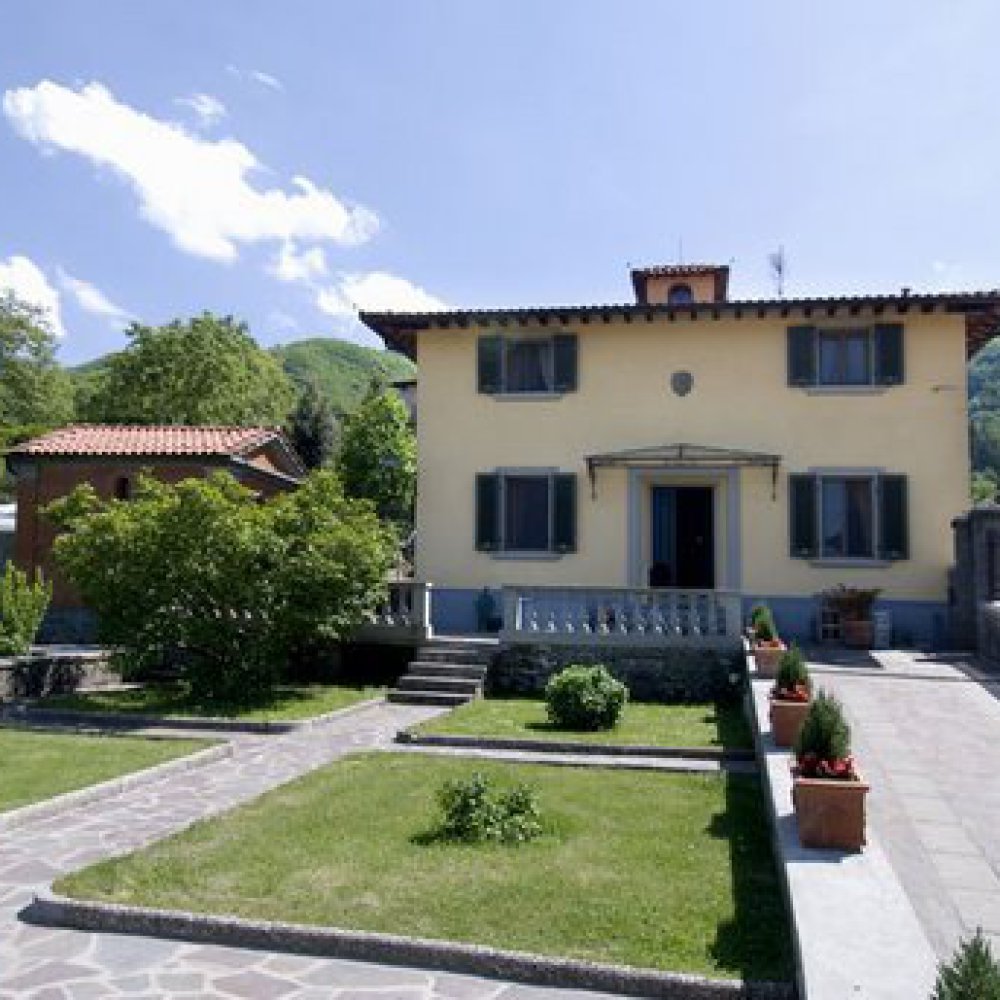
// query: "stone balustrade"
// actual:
[[620, 616], [404, 616]]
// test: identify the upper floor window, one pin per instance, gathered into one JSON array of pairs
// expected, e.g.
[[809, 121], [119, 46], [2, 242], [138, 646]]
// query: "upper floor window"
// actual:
[[680, 295], [845, 357], [527, 365]]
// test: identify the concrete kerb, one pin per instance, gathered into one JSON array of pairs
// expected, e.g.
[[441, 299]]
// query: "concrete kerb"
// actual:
[[854, 932], [410, 737], [114, 786], [390, 949], [26, 715]]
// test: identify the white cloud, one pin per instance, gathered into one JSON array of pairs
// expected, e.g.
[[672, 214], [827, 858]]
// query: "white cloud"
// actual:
[[375, 290], [257, 75], [196, 190], [27, 281], [208, 110], [91, 299], [292, 264], [265, 78]]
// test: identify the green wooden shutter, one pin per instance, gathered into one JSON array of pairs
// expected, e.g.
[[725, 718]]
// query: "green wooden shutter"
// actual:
[[487, 512], [889, 354], [564, 512], [894, 542], [564, 349], [802, 355], [803, 516], [489, 361]]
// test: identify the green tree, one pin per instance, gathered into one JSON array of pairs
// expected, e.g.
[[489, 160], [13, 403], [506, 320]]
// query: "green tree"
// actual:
[[312, 428], [378, 455], [201, 575], [206, 370], [972, 974], [34, 390]]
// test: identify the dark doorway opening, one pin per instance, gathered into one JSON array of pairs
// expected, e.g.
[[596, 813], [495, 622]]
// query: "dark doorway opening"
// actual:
[[683, 537]]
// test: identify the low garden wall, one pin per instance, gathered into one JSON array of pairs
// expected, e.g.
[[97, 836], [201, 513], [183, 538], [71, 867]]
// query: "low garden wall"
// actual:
[[677, 673], [54, 672]]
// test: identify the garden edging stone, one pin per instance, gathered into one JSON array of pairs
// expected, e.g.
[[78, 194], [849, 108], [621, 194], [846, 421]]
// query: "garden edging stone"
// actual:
[[114, 786], [28, 715], [49, 909], [412, 738]]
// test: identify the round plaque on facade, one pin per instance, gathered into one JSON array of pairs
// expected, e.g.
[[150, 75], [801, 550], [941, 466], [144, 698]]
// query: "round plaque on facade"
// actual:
[[682, 383]]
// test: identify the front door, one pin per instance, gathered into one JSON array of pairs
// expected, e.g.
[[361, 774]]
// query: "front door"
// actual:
[[682, 536]]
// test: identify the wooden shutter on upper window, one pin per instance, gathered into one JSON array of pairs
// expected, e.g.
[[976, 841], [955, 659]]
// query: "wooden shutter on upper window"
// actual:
[[489, 363], [803, 516], [894, 542], [802, 355], [564, 350], [889, 354], [487, 512], [564, 512]]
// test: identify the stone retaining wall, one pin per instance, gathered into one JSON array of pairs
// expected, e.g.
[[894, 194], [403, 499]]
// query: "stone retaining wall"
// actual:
[[54, 672], [675, 674]]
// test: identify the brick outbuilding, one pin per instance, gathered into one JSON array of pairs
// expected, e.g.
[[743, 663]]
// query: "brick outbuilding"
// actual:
[[110, 458]]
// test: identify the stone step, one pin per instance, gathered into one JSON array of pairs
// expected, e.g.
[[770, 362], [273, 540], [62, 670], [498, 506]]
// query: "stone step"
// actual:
[[438, 668], [443, 698], [448, 655], [457, 685]]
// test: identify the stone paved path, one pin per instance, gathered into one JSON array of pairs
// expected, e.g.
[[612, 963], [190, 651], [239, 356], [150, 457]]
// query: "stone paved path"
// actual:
[[38, 963], [927, 737]]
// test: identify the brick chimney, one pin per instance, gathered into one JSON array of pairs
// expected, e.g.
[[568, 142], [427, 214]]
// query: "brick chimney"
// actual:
[[680, 284]]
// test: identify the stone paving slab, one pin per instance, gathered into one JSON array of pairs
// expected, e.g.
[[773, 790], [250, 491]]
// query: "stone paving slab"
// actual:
[[929, 742], [856, 933]]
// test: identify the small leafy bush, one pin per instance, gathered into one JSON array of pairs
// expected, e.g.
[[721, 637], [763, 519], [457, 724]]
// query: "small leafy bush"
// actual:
[[760, 612], [474, 812], [972, 974], [823, 748], [792, 682], [22, 607], [585, 698]]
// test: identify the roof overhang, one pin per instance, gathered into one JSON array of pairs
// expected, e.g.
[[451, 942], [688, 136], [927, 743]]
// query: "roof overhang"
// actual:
[[981, 309], [686, 456]]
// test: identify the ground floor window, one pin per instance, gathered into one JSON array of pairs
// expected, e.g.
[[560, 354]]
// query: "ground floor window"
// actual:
[[524, 511], [836, 515]]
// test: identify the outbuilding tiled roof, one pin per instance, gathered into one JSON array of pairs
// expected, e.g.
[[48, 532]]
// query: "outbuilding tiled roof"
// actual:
[[113, 439]]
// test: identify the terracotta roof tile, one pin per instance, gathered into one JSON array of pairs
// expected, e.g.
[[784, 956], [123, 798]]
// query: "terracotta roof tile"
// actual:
[[111, 439]]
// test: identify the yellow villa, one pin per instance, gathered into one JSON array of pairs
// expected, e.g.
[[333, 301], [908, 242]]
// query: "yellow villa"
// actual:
[[691, 444]]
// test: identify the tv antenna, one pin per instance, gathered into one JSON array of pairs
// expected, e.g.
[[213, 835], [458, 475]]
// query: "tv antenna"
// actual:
[[778, 263]]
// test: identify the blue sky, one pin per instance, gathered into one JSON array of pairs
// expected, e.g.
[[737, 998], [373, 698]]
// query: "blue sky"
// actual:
[[289, 162]]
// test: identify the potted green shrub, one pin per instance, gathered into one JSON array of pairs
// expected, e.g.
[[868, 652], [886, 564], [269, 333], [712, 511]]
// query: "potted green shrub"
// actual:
[[790, 697], [767, 647], [827, 792], [854, 607]]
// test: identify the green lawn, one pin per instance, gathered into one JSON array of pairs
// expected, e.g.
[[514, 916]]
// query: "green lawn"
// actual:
[[672, 871], [36, 766], [288, 702], [707, 725]]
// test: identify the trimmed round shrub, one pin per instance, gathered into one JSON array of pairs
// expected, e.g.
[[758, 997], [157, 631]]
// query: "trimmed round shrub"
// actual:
[[585, 699]]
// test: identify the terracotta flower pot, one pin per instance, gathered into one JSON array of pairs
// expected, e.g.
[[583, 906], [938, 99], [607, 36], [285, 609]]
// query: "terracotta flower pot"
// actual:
[[830, 813], [786, 720], [767, 658], [858, 633]]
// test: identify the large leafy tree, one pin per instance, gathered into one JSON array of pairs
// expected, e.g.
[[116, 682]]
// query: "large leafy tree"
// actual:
[[312, 427], [206, 370], [34, 390], [378, 455], [202, 575]]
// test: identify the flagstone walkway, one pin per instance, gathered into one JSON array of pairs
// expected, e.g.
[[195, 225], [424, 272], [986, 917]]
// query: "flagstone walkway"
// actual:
[[39, 963], [926, 732]]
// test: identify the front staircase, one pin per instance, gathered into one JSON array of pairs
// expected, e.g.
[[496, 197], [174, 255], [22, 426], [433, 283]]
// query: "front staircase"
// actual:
[[446, 671]]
